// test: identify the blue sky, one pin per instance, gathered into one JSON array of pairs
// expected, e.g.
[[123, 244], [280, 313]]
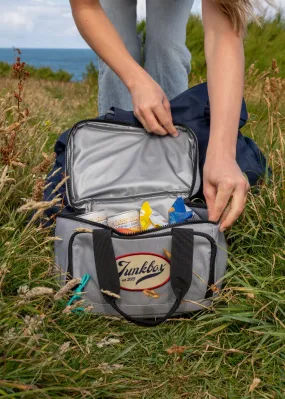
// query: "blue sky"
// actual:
[[45, 23]]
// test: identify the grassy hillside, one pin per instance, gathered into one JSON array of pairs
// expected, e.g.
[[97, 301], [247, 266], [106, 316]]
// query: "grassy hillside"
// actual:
[[231, 351], [262, 43]]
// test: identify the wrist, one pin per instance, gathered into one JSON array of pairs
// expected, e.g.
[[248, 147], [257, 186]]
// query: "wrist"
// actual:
[[137, 77], [222, 146], [221, 151]]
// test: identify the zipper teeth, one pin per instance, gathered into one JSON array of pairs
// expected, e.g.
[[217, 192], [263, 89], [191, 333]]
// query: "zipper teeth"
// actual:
[[70, 254], [133, 237], [156, 229], [195, 160], [143, 197], [74, 128], [116, 124]]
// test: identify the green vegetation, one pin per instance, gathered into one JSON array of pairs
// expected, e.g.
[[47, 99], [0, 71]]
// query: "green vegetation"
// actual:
[[234, 350], [90, 76], [45, 73], [141, 29], [262, 43]]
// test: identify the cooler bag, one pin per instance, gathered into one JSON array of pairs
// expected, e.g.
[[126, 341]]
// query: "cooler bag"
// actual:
[[148, 276]]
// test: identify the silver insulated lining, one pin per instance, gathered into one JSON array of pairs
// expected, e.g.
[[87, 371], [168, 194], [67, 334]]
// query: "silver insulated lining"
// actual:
[[117, 167]]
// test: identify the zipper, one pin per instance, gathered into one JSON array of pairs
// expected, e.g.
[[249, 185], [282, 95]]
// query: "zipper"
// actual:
[[174, 194], [211, 279], [144, 232], [70, 254], [86, 121]]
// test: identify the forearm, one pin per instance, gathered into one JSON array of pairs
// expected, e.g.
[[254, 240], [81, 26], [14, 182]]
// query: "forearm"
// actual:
[[225, 63], [102, 37], [151, 106]]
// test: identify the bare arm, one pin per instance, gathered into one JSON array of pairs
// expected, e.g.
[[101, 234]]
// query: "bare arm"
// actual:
[[150, 103], [223, 178]]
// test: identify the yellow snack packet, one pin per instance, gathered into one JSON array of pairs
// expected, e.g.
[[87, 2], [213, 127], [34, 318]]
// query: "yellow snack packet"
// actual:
[[145, 214], [150, 219]]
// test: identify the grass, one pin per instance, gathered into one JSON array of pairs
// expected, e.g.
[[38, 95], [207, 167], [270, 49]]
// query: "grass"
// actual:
[[234, 350], [270, 31]]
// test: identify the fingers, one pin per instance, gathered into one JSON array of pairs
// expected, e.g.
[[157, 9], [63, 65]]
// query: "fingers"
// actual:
[[224, 192], [210, 193], [166, 118], [225, 213], [150, 123], [237, 205], [157, 119]]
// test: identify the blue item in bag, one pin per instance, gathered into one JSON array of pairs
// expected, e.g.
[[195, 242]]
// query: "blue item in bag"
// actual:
[[178, 212]]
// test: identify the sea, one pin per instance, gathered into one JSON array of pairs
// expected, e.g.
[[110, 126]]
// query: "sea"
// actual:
[[73, 61]]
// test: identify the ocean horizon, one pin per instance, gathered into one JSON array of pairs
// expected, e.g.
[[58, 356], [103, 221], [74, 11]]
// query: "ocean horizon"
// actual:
[[74, 61]]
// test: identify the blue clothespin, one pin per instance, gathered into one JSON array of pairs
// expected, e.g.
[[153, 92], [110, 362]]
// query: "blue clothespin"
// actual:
[[78, 292]]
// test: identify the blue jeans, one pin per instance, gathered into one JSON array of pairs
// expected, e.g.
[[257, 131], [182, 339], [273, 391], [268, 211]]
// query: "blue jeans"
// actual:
[[166, 57]]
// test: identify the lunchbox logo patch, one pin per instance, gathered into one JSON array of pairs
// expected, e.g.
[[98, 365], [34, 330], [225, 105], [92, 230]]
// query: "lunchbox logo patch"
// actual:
[[142, 271]]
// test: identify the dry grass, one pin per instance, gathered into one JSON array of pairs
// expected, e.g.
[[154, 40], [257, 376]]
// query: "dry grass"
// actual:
[[235, 350], [56, 105]]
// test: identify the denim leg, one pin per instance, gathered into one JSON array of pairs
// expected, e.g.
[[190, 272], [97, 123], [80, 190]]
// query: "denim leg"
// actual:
[[112, 92], [167, 58]]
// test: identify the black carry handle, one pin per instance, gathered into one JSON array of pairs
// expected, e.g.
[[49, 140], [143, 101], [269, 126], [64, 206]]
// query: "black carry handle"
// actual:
[[180, 270]]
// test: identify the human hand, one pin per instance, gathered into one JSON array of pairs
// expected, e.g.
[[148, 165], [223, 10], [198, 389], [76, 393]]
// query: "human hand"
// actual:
[[151, 107], [224, 180]]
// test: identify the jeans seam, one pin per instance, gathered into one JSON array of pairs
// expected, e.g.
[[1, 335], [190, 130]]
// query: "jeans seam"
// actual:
[[99, 84]]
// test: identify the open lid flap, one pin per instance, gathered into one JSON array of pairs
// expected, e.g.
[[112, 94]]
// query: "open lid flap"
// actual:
[[110, 162]]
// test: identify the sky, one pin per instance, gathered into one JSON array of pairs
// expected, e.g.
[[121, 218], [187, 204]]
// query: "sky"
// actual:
[[47, 23]]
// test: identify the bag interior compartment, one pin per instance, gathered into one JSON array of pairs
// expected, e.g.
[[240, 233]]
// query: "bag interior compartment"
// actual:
[[117, 168], [200, 211]]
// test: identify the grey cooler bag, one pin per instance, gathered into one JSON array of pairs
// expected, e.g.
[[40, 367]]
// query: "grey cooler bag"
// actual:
[[118, 167]]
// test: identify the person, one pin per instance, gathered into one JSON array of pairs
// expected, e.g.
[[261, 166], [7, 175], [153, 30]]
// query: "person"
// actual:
[[109, 27]]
